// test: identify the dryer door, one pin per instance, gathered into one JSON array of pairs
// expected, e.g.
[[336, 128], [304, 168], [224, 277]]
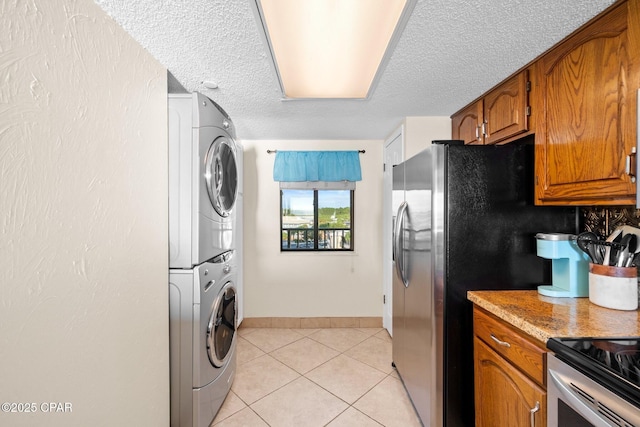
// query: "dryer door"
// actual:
[[221, 175], [221, 331]]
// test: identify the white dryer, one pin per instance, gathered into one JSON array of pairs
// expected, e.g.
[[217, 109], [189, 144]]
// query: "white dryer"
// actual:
[[203, 180], [202, 338]]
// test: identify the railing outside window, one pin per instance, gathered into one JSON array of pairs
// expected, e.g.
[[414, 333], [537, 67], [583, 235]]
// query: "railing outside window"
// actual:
[[328, 238], [316, 220]]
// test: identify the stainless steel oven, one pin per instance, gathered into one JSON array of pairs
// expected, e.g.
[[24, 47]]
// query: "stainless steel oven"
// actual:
[[593, 382]]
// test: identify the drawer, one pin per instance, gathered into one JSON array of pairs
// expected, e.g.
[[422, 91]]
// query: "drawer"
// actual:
[[512, 344]]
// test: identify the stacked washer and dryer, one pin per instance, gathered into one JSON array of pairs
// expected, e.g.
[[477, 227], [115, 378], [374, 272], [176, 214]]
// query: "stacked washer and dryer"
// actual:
[[203, 257]]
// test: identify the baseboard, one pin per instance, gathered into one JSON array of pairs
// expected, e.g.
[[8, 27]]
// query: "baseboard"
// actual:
[[312, 322]]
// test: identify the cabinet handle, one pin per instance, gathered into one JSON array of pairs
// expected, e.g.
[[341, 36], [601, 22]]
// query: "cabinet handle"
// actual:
[[532, 413], [484, 128], [630, 165], [500, 342], [478, 133], [638, 145]]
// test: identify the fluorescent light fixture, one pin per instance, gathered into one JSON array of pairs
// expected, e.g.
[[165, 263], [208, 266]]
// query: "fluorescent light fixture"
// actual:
[[330, 48]]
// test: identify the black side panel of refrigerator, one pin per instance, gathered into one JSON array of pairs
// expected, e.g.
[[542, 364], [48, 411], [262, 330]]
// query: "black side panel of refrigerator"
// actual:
[[490, 245]]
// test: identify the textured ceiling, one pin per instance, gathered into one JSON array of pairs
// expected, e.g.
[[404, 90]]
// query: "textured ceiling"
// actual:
[[450, 53]]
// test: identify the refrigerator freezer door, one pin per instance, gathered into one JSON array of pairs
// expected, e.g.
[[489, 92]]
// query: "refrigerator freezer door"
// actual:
[[400, 340], [415, 336]]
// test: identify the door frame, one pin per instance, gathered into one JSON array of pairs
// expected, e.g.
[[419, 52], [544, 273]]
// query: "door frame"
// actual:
[[393, 154]]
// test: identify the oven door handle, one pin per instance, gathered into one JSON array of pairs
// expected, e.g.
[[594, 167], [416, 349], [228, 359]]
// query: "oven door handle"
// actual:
[[571, 398]]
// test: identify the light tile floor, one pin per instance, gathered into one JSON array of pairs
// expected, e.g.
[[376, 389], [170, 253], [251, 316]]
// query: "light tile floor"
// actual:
[[315, 377]]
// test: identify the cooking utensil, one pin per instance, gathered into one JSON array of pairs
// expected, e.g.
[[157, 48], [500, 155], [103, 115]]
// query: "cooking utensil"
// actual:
[[588, 243], [616, 248], [623, 253], [635, 262], [628, 229], [634, 248], [607, 253], [600, 248]]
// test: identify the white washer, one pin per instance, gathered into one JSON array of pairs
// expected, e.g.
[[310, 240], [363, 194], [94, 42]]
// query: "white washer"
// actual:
[[202, 338], [203, 180]]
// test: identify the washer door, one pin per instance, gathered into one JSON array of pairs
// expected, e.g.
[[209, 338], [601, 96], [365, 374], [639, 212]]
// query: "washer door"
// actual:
[[221, 331], [221, 175]]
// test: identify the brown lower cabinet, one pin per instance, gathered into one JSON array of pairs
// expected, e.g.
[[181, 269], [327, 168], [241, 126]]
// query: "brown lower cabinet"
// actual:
[[509, 375]]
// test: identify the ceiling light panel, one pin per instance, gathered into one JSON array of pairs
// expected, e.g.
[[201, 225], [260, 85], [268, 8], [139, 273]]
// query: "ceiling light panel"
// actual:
[[331, 48]]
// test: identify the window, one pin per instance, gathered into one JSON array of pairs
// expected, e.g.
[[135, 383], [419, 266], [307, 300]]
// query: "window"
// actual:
[[316, 220]]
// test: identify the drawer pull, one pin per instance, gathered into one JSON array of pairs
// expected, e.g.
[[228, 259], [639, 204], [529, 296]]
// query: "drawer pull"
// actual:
[[500, 342], [532, 412], [630, 165]]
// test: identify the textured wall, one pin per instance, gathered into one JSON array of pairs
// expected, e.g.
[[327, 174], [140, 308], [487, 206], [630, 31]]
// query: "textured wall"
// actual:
[[83, 219], [284, 284]]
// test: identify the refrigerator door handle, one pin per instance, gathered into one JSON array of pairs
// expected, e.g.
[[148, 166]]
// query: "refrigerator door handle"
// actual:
[[398, 253]]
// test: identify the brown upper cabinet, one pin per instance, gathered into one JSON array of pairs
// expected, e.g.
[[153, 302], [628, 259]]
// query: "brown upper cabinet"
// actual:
[[466, 123], [584, 112], [586, 138], [500, 114]]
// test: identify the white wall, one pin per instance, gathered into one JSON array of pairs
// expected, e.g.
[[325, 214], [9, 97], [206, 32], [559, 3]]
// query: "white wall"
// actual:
[[284, 284], [83, 219], [420, 131]]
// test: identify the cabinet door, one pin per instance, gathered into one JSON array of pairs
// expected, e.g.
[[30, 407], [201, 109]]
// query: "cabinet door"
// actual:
[[511, 344], [503, 395], [505, 109], [466, 124], [589, 88]]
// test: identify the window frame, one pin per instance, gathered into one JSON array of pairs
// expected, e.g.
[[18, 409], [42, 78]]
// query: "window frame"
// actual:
[[316, 230]]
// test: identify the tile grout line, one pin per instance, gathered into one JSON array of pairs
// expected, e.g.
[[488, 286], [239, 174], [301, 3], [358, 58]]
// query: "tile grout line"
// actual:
[[340, 353], [270, 353], [349, 405]]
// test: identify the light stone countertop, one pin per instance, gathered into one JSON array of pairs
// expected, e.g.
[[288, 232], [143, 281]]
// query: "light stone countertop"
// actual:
[[545, 317]]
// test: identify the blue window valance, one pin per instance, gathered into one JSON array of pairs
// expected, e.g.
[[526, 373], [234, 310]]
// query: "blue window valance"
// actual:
[[330, 166]]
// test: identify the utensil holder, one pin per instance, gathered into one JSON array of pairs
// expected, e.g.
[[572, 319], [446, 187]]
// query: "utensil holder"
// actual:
[[613, 287]]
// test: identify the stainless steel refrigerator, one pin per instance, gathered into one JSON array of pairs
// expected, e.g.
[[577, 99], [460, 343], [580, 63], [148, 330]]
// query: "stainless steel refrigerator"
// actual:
[[465, 221]]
